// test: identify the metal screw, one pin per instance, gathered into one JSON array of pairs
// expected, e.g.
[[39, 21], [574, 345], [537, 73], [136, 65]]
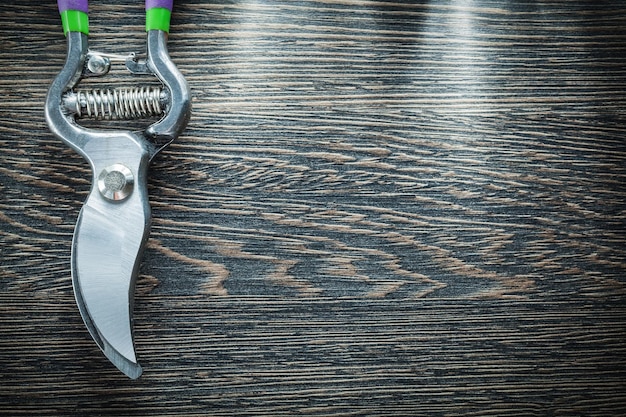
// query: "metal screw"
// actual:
[[115, 182], [98, 64]]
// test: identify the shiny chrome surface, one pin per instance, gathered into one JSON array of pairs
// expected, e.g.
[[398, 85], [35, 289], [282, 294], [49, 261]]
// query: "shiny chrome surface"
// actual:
[[178, 111], [114, 223]]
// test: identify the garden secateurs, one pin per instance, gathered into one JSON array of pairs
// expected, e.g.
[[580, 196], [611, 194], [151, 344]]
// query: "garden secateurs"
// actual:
[[114, 222]]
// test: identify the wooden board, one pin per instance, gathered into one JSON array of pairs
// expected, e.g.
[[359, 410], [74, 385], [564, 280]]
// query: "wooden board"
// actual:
[[378, 208]]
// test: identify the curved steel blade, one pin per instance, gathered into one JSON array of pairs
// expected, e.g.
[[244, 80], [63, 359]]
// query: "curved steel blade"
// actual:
[[108, 241]]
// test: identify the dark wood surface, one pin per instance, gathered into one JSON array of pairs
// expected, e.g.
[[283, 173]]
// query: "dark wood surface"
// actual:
[[378, 208]]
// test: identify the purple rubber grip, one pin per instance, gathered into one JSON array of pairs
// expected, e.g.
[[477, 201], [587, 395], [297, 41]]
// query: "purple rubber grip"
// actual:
[[165, 4], [80, 5]]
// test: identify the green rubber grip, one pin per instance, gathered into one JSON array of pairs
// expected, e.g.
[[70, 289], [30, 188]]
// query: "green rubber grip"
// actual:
[[158, 18], [75, 21]]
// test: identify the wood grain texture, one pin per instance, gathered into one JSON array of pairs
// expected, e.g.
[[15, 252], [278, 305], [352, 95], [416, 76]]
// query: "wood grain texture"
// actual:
[[378, 208]]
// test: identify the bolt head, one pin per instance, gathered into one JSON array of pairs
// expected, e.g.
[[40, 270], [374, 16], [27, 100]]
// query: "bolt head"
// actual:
[[98, 64], [116, 182]]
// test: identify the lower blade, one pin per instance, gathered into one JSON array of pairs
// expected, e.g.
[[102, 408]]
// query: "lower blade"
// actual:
[[105, 255]]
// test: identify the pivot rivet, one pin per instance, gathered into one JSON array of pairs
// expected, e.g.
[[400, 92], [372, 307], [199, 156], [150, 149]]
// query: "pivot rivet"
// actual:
[[115, 182]]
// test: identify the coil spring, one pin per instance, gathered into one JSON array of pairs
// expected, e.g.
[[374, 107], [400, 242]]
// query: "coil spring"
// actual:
[[118, 104]]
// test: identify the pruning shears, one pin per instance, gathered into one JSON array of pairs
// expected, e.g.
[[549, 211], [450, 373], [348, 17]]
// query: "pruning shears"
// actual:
[[114, 222]]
